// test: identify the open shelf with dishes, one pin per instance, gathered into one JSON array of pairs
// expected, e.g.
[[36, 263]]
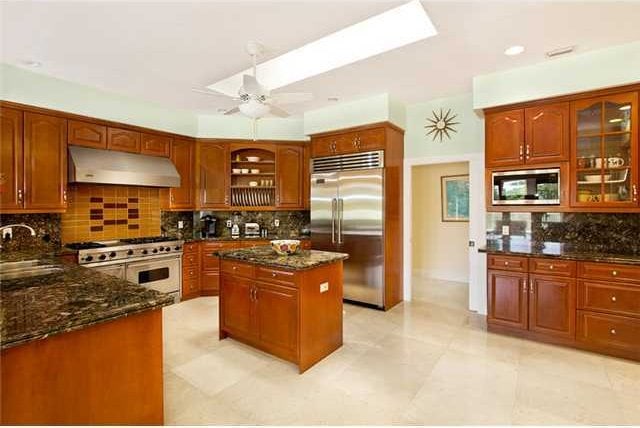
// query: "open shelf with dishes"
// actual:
[[253, 172]]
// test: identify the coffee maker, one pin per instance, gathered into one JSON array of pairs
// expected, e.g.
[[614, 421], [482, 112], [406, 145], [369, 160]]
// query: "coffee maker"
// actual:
[[208, 229]]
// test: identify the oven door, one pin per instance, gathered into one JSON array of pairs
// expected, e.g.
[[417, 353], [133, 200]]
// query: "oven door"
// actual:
[[527, 187], [116, 270], [161, 274]]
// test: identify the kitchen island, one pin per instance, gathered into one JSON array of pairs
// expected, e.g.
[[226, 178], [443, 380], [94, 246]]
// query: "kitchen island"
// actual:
[[79, 347], [288, 306]]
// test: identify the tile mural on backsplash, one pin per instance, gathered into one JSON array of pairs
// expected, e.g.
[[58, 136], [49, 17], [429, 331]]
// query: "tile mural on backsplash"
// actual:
[[292, 223], [47, 227], [590, 232], [103, 212]]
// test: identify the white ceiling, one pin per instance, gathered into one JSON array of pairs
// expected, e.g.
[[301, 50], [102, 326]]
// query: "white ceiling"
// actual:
[[157, 51]]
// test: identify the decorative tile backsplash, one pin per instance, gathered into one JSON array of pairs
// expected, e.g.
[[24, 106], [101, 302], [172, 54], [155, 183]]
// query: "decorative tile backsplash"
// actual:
[[103, 212], [47, 228], [589, 232]]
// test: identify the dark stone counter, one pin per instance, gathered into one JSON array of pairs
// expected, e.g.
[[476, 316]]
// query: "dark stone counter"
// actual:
[[245, 239], [555, 249], [74, 298], [266, 256]]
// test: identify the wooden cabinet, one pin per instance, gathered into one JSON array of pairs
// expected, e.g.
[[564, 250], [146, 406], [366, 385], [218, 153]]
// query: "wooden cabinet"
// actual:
[[191, 270], [123, 140], [237, 308], [504, 138], [156, 145], [213, 175], [211, 266], [11, 160], [87, 134], [552, 305], [547, 133], [277, 317], [507, 299], [362, 140], [605, 147], [183, 156], [610, 333], [289, 177], [45, 162]]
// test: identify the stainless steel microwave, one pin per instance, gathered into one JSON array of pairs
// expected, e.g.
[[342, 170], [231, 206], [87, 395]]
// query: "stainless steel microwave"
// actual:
[[526, 187]]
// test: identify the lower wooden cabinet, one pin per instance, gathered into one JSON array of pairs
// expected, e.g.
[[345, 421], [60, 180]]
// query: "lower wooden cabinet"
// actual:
[[191, 270], [552, 305], [507, 299], [277, 317]]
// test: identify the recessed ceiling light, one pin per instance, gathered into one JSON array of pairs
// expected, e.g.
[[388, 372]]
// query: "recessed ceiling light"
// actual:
[[514, 50], [389, 30], [333, 99], [32, 63]]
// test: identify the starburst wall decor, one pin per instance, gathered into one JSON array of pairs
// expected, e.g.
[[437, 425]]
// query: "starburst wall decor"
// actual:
[[439, 125]]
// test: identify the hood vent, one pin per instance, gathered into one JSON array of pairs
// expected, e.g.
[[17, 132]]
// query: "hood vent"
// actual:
[[348, 162], [97, 166]]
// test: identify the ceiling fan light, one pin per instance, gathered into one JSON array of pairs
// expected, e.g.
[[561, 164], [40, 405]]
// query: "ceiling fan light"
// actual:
[[254, 109]]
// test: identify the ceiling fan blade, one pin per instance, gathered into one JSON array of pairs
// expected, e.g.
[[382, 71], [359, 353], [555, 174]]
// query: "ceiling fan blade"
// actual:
[[214, 93], [232, 111], [277, 111], [291, 97], [251, 86]]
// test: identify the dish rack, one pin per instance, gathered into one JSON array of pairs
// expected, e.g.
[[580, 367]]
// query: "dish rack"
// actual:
[[253, 196], [622, 178]]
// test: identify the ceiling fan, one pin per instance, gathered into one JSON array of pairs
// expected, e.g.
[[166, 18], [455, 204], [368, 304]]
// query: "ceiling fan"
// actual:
[[256, 100]]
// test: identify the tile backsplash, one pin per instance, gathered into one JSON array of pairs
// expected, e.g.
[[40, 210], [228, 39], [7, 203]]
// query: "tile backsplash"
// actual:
[[103, 212], [47, 228], [589, 232]]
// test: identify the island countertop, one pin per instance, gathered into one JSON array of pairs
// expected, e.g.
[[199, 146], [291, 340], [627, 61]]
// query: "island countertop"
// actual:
[[37, 307], [266, 256]]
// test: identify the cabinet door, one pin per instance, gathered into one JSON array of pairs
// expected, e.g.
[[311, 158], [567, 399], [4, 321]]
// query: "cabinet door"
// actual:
[[552, 305], [87, 134], [504, 134], [322, 146], [214, 175], [11, 160], [155, 145], [547, 133], [277, 318], [507, 299], [370, 139], [123, 140], [183, 157], [237, 306], [289, 172], [45, 162]]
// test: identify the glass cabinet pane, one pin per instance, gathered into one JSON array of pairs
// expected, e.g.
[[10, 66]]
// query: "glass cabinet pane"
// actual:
[[617, 117], [590, 119]]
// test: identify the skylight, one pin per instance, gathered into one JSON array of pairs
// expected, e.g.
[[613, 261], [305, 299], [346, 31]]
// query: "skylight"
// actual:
[[392, 29]]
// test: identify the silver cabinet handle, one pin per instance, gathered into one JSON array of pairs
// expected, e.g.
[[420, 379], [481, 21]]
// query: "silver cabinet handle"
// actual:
[[340, 212], [64, 195], [524, 286], [334, 202], [614, 273], [613, 298], [520, 153], [532, 287], [20, 196], [527, 152], [613, 331], [635, 193]]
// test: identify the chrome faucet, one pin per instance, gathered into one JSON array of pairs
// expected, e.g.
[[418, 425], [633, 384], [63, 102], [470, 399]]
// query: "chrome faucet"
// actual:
[[9, 227]]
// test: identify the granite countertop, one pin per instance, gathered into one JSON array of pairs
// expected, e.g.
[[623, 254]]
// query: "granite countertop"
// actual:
[[245, 238], [38, 307], [265, 256], [555, 249]]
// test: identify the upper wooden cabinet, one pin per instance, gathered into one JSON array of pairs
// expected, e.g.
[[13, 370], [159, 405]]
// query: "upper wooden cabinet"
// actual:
[[156, 145], [11, 160], [45, 162], [290, 176], [183, 156], [87, 134], [364, 140], [527, 136], [123, 140], [213, 175]]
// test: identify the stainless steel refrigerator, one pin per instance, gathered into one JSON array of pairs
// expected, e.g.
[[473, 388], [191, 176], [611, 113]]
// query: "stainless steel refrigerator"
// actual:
[[347, 215]]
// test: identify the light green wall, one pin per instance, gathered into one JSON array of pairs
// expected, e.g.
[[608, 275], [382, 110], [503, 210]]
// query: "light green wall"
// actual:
[[378, 108], [577, 72], [469, 137], [36, 89], [219, 126]]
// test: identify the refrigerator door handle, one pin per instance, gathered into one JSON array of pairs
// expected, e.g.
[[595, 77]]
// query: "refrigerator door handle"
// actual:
[[334, 203], [340, 214]]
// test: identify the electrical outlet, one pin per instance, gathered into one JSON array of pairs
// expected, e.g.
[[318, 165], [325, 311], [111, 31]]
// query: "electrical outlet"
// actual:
[[7, 233], [276, 223], [505, 230], [229, 224], [324, 287], [180, 224]]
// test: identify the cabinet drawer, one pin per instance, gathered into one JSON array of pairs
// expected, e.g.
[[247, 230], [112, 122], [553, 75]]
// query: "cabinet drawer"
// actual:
[[609, 271], [190, 259], [547, 266], [190, 287], [609, 297], [511, 263], [190, 272], [210, 261], [275, 275], [190, 247], [609, 331], [235, 268]]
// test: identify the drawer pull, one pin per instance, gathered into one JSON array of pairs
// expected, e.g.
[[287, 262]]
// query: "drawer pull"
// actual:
[[235, 268], [190, 272], [506, 263], [274, 274], [524, 286], [614, 273], [550, 267], [613, 298], [612, 331]]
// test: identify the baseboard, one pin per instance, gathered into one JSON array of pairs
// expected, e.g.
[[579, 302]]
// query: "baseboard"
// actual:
[[441, 275]]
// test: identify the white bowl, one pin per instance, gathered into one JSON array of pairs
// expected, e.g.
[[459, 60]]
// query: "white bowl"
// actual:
[[255, 171], [596, 178], [236, 170], [253, 159], [253, 183], [245, 170], [285, 247]]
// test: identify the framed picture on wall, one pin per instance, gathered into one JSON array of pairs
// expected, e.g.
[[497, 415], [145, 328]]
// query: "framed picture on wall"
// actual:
[[455, 197]]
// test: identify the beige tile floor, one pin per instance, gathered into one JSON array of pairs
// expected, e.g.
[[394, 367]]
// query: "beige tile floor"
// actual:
[[427, 362]]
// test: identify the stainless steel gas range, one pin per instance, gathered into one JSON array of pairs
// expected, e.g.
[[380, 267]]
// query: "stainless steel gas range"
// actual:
[[154, 262]]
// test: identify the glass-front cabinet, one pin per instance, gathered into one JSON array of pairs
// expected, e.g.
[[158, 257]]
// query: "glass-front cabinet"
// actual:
[[605, 151]]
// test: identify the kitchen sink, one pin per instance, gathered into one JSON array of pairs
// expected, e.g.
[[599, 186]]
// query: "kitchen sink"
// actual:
[[27, 269]]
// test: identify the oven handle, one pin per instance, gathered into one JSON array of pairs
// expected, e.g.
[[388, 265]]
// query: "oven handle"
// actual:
[[143, 265]]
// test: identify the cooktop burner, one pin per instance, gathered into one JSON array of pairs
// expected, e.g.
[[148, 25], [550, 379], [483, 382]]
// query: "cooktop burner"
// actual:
[[147, 240], [85, 245]]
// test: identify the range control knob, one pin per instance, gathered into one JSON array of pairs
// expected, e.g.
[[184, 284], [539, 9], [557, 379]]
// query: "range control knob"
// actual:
[[145, 252], [130, 252], [177, 247], [102, 256], [155, 250], [161, 248], [112, 254], [88, 258], [167, 249]]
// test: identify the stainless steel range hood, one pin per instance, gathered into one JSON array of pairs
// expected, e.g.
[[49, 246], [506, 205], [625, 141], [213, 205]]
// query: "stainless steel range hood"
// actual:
[[88, 165]]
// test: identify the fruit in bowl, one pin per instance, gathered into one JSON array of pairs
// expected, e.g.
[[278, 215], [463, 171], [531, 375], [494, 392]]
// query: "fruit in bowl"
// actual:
[[285, 247]]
